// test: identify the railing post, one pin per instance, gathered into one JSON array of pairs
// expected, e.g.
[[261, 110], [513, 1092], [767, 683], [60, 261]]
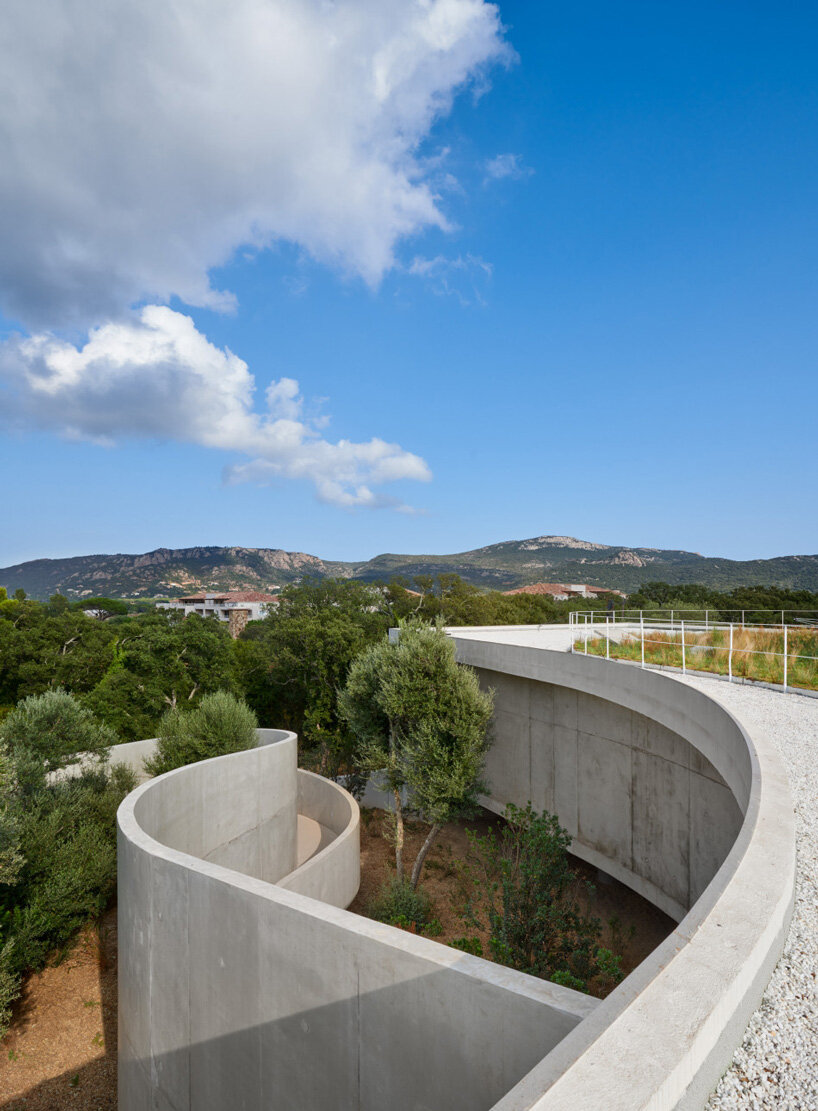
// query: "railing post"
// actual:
[[742, 619], [730, 657], [684, 666], [785, 657], [642, 630], [607, 638], [671, 620], [706, 620], [782, 619], [586, 634]]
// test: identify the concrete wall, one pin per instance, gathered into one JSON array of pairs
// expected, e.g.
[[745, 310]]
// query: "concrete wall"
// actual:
[[639, 800], [238, 993], [653, 779]]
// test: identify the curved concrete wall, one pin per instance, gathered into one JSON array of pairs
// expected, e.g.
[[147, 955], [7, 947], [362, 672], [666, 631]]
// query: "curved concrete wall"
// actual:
[[661, 787], [237, 992]]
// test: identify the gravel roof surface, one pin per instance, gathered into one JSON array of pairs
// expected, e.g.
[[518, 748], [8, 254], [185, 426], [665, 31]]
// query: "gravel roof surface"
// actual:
[[776, 1065]]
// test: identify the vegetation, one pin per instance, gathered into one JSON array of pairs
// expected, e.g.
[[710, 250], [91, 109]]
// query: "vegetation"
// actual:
[[218, 725], [399, 904], [57, 832], [759, 604], [79, 676], [292, 664], [535, 926], [45, 733], [420, 721], [757, 653]]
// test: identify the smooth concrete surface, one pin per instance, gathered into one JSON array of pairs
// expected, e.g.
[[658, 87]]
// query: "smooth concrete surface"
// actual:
[[240, 992], [671, 795], [133, 755]]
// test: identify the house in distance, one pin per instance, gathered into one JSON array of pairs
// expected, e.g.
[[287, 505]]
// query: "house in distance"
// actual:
[[236, 607]]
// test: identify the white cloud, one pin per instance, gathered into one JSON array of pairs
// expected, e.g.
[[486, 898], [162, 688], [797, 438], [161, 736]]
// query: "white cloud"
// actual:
[[156, 376], [143, 143], [447, 276], [506, 165]]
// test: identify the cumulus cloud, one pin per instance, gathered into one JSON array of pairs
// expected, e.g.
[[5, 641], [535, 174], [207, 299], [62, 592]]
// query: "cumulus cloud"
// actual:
[[506, 166], [156, 376], [143, 143]]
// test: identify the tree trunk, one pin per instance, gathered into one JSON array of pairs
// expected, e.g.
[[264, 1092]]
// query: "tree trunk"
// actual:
[[421, 857], [398, 834]]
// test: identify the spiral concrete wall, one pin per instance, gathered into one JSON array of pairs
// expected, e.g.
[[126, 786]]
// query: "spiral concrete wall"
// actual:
[[238, 988], [244, 983]]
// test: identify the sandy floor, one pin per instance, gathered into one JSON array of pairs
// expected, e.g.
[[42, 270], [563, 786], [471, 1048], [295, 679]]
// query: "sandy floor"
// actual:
[[631, 927], [61, 1050]]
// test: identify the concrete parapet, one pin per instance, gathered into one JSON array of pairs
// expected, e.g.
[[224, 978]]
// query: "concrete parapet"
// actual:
[[237, 992], [664, 789], [245, 983]]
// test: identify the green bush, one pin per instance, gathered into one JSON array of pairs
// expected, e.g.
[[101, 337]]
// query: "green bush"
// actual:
[[535, 925], [471, 945], [218, 725], [67, 839], [47, 732], [399, 904]]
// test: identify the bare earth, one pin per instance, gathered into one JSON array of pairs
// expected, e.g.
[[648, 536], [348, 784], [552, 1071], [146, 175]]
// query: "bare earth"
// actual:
[[631, 927], [61, 1050]]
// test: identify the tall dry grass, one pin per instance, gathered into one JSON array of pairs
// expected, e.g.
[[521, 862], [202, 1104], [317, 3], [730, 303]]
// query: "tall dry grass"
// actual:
[[757, 653]]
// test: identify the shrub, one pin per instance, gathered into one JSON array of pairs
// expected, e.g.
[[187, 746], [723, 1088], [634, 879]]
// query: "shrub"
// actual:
[[471, 945], [535, 926], [47, 732], [399, 904], [67, 837], [218, 725]]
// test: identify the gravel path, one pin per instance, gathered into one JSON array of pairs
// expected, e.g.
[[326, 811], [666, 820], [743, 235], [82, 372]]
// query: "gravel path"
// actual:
[[776, 1065]]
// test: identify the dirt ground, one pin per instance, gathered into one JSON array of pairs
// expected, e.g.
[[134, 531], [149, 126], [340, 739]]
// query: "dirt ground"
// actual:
[[61, 1050], [631, 927]]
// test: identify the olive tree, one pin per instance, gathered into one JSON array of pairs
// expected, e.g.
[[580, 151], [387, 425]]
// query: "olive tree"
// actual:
[[422, 721]]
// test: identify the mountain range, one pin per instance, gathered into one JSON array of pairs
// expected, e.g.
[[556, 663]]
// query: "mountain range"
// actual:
[[170, 572]]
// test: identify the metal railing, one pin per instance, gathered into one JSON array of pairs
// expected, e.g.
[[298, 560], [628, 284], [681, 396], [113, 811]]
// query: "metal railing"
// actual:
[[783, 654]]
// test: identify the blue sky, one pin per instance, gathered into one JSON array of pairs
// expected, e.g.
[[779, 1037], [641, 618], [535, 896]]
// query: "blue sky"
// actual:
[[612, 337]]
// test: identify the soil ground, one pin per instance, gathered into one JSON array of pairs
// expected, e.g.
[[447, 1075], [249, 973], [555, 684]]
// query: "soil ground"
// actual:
[[60, 1053], [631, 926]]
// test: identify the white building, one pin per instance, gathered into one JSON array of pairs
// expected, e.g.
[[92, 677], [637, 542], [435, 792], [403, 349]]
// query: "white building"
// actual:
[[234, 606]]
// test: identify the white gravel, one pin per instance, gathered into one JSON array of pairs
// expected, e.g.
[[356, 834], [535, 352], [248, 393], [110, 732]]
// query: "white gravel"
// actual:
[[776, 1065]]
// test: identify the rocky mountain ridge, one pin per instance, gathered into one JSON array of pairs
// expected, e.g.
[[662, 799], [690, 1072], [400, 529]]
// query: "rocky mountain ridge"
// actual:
[[171, 571]]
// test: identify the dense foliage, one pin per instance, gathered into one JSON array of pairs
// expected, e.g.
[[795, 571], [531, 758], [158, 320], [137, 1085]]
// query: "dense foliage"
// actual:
[[292, 664], [421, 721], [759, 604], [57, 831], [535, 925], [218, 725]]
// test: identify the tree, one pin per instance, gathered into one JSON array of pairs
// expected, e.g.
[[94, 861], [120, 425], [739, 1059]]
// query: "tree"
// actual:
[[422, 720], [293, 663], [101, 608], [218, 725], [534, 922], [45, 733], [160, 661]]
